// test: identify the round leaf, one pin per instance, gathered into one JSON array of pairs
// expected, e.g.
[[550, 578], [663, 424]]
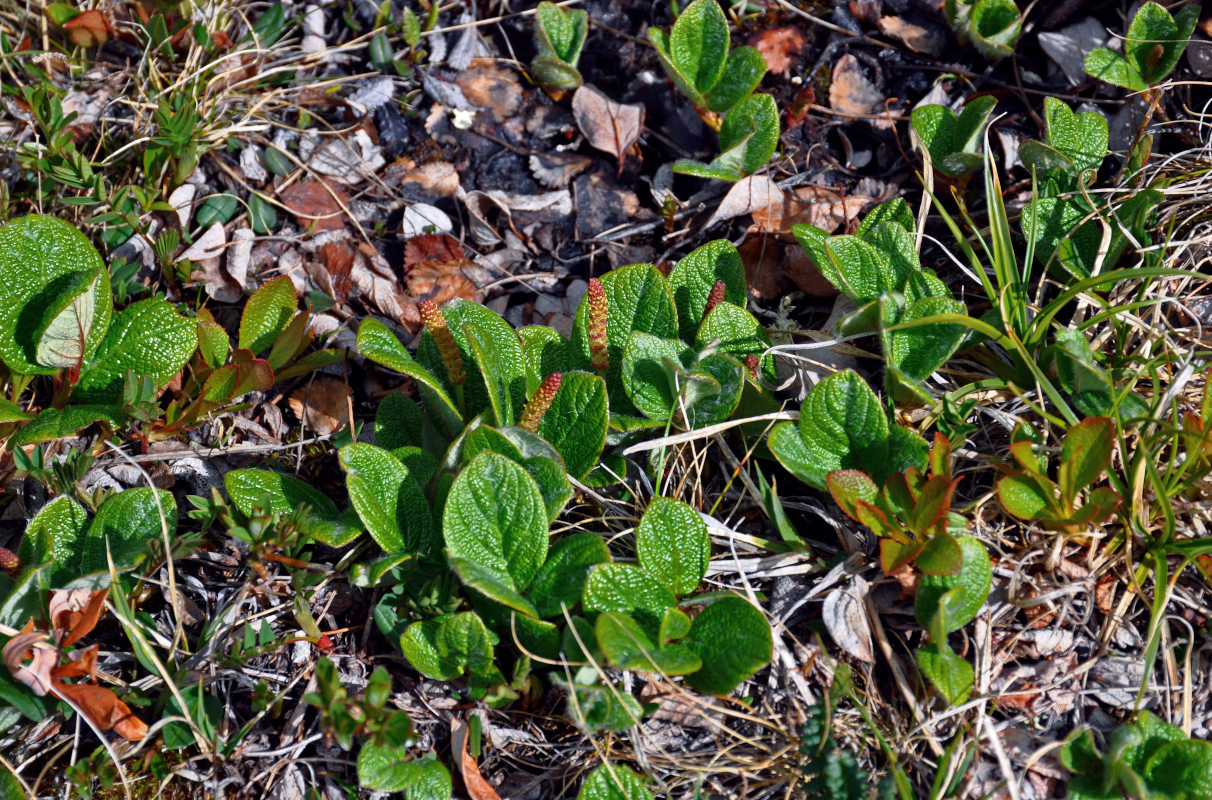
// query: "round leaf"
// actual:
[[733, 640], [672, 544]]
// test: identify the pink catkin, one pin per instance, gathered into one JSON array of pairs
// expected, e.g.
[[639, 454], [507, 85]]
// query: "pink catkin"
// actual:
[[599, 309], [538, 404], [448, 349], [715, 298]]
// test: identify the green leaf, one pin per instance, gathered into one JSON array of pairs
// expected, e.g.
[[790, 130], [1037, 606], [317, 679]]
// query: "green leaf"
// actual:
[[896, 211], [1156, 40], [842, 426], [1022, 496], [638, 299], [398, 422], [672, 544], [54, 423], [148, 338], [1182, 769], [733, 640], [626, 646], [953, 141], [62, 327], [993, 27], [391, 768], [692, 278], [11, 412], [857, 268], [37, 255], [127, 521], [713, 389], [919, 351], [1064, 234], [1079, 753], [387, 499], [377, 343], [282, 494], [213, 344], [492, 583], [560, 33], [1155, 734], [546, 351], [495, 366], [610, 781], [685, 83], [267, 313], [650, 373], [495, 517], [742, 74], [419, 643], [55, 536], [1082, 138], [974, 580], [698, 43], [626, 589], [206, 710], [739, 334], [217, 208], [950, 674], [1110, 67], [1085, 454], [262, 216], [575, 424], [674, 625], [553, 73], [561, 580], [850, 486], [464, 638], [751, 124]]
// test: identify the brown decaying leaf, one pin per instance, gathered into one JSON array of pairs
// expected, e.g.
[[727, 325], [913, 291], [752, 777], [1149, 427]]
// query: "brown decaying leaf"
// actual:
[[853, 94], [75, 612], [770, 263], [322, 404], [477, 787], [917, 38], [316, 205], [826, 208], [748, 195], [845, 618], [780, 47], [89, 28], [35, 646], [608, 126], [486, 85], [865, 11], [338, 261]]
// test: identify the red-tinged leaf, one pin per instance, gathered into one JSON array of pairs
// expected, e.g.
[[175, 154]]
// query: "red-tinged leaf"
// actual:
[[245, 374], [1085, 454], [897, 497], [876, 520], [89, 28], [941, 555], [103, 707], [1106, 500], [35, 647], [932, 505], [895, 555], [1021, 496], [940, 456], [74, 613], [848, 487]]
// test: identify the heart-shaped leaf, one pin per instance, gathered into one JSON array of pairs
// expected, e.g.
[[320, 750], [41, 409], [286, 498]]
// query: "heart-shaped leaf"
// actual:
[[495, 518], [733, 640], [148, 338], [952, 140], [387, 499], [673, 545], [56, 289], [575, 423], [560, 582]]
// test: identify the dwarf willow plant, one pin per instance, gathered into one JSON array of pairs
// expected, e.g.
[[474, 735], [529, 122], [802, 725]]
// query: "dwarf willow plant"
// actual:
[[57, 319], [1144, 758], [1154, 43], [991, 26], [559, 35], [720, 80]]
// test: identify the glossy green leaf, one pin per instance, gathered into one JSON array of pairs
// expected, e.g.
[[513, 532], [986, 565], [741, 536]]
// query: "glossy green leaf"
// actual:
[[895, 211], [1065, 234], [921, 350], [1182, 769], [491, 582], [751, 124], [698, 43], [856, 267], [672, 544], [398, 422], [283, 494], [127, 521], [626, 646], [739, 334], [1085, 453], [952, 140], [650, 373], [267, 313], [575, 424], [626, 589], [495, 366], [1156, 40], [55, 536], [974, 579], [951, 675], [560, 582], [1111, 67], [733, 640], [612, 782], [560, 32], [148, 338], [1148, 735], [693, 277], [387, 499], [1022, 496], [742, 73], [39, 257], [495, 517], [54, 423], [713, 389], [377, 343]]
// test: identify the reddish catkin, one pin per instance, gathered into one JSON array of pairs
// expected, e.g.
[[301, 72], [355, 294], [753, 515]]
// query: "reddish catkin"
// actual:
[[538, 404], [715, 298], [10, 563], [442, 337], [599, 308], [751, 363]]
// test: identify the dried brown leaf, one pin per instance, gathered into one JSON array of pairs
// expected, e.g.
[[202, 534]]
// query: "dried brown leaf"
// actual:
[[852, 93], [34, 646], [316, 205], [917, 38], [322, 404], [845, 618], [608, 126], [74, 613], [781, 47]]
